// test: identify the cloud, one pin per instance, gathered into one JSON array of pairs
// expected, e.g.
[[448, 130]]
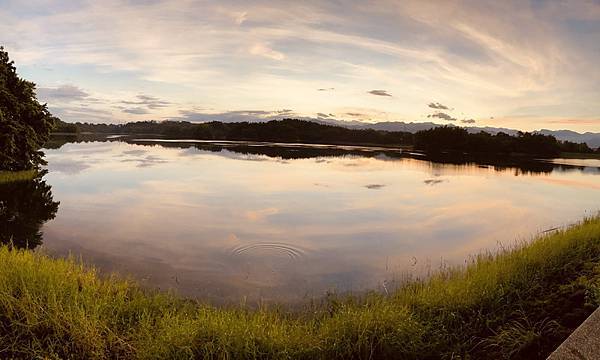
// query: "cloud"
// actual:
[[575, 121], [326, 89], [374, 186], [379, 93], [237, 115], [254, 116], [265, 51], [468, 121], [356, 114], [438, 106], [63, 93], [136, 111], [442, 116], [80, 113], [148, 101], [143, 104], [71, 103], [271, 54]]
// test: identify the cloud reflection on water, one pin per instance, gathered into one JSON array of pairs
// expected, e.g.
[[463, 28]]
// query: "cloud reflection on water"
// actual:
[[180, 217]]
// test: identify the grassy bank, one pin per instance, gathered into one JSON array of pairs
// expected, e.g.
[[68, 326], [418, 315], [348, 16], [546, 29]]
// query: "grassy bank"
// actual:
[[10, 176], [518, 304]]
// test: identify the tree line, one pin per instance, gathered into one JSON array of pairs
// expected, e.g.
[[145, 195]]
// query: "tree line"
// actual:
[[435, 140], [285, 130], [450, 138]]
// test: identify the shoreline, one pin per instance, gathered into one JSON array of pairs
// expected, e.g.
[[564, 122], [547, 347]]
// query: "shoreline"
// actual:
[[521, 302]]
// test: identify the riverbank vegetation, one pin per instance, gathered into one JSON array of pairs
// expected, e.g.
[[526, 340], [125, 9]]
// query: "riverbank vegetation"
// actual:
[[519, 303]]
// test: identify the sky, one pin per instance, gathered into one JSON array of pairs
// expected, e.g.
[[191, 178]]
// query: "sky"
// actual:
[[518, 64]]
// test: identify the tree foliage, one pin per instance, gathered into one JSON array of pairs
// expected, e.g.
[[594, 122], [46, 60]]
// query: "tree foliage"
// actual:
[[64, 127], [286, 130], [436, 140], [25, 124], [452, 138]]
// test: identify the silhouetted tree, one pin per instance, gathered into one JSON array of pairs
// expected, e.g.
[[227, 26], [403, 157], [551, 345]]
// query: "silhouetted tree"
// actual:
[[24, 207], [569, 146], [442, 138], [452, 138], [25, 124]]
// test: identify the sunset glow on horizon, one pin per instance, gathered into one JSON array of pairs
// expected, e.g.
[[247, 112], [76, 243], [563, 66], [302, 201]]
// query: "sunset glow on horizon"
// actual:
[[516, 64]]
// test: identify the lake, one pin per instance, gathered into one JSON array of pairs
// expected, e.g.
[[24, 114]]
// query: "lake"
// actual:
[[228, 221]]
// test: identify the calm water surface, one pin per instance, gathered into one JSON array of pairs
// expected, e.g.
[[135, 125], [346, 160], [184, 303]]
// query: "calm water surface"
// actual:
[[228, 221]]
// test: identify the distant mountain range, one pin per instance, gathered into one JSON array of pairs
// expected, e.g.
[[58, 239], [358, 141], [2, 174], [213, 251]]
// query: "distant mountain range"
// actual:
[[590, 138]]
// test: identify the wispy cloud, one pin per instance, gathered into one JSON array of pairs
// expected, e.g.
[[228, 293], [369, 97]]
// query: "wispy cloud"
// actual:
[[78, 113], [150, 102], [63, 93], [266, 51], [443, 116], [356, 114], [269, 55], [236, 116], [438, 106], [136, 111], [379, 93]]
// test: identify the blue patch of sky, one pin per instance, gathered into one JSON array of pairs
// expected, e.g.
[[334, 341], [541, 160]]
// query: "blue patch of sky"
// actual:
[[584, 33]]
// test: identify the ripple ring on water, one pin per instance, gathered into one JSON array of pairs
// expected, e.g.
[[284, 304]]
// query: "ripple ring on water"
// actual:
[[291, 251]]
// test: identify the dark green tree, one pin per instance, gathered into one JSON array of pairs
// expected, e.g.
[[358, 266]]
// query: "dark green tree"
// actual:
[[25, 124]]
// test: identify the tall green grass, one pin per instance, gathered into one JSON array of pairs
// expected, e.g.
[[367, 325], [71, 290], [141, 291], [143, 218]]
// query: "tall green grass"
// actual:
[[520, 303], [10, 176]]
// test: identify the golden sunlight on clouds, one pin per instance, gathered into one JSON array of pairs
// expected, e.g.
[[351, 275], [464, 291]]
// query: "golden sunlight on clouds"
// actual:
[[264, 50], [521, 63]]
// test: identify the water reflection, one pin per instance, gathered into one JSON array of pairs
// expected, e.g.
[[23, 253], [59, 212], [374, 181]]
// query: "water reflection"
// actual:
[[24, 207], [253, 151], [228, 220]]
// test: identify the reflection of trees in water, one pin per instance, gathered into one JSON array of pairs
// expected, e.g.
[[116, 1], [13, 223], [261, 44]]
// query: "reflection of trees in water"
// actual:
[[57, 141], [24, 207], [519, 165]]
